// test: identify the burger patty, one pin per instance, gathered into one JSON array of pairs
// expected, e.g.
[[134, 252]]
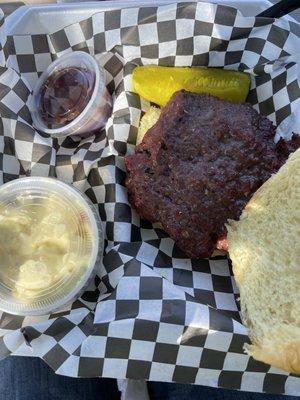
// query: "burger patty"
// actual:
[[198, 166]]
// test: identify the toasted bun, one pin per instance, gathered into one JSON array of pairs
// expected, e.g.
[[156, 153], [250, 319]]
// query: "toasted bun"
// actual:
[[148, 120], [264, 247]]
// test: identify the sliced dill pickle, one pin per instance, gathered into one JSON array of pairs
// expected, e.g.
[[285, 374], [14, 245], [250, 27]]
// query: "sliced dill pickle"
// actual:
[[157, 84]]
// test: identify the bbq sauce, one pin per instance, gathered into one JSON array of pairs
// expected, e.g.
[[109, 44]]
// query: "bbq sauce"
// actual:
[[64, 95]]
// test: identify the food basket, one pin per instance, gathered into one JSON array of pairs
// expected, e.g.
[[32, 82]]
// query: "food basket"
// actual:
[[151, 313]]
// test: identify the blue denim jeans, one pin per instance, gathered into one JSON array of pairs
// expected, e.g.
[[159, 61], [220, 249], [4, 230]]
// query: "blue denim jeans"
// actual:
[[31, 379]]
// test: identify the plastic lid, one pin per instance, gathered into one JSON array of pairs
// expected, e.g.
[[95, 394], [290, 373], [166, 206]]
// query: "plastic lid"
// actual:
[[65, 94], [50, 239]]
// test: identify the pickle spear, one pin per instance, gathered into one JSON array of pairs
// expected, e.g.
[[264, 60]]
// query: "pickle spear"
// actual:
[[157, 84]]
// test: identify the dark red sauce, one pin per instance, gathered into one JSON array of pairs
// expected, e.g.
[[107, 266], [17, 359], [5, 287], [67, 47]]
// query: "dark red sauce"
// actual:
[[64, 95]]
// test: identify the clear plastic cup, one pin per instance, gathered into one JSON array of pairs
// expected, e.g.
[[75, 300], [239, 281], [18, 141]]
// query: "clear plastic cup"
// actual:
[[51, 241], [70, 97]]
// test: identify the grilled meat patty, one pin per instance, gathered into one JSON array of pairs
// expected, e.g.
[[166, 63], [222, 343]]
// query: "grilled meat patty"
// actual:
[[198, 166]]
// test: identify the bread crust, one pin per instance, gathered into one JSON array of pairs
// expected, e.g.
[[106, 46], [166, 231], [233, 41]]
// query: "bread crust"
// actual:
[[286, 356]]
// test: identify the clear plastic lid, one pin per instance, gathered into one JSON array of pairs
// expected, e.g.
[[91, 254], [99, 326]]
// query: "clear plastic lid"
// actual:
[[70, 97], [50, 240]]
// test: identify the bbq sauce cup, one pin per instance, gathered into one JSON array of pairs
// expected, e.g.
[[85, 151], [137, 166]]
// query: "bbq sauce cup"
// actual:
[[70, 97]]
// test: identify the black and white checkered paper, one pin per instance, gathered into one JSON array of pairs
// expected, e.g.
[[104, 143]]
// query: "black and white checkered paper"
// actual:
[[151, 313]]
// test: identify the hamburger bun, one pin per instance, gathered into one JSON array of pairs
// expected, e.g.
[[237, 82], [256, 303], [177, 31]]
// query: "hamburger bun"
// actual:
[[264, 247]]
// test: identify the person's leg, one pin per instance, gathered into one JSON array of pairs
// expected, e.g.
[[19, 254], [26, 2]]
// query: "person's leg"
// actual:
[[24, 378], [172, 391]]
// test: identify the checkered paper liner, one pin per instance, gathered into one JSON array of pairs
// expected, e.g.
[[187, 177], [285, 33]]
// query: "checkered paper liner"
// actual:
[[151, 313]]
